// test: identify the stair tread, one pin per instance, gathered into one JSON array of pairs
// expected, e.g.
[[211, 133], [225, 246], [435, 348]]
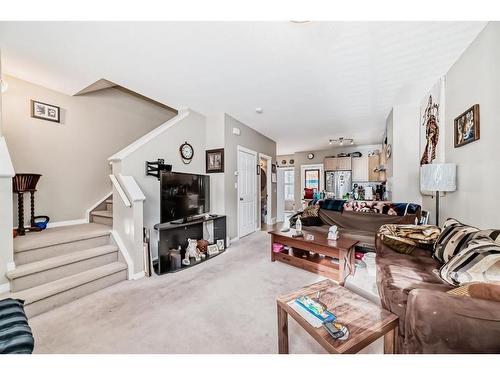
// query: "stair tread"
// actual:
[[104, 213], [66, 283], [58, 261], [109, 201], [59, 235]]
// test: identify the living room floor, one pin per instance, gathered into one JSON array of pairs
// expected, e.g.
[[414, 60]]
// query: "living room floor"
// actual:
[[227, 305]]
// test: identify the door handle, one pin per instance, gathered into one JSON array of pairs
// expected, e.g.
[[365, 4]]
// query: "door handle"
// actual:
[[241, 199]]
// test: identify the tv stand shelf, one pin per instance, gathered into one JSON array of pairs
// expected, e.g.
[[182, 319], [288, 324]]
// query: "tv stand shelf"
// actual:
[[173, 235]]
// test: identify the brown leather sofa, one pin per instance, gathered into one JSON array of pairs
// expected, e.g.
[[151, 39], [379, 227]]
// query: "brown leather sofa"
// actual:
[[430, 320], [361, 226]]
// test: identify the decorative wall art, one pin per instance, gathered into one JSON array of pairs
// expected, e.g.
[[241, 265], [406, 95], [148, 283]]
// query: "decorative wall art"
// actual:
[[466, 129], [44, 111], [215, 160], [431, 117]]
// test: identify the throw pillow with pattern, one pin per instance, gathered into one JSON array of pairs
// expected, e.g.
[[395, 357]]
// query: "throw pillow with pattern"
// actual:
[[453, 238], [310, 211], [478, 261]]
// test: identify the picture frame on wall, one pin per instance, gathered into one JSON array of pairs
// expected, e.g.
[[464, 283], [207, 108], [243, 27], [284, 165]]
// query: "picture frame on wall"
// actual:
[[466, 127], [215, 160], [44, 111]]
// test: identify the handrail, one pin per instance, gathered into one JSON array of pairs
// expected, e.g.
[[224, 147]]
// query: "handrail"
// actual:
[[120, 191], [132, 188], [134, 146]]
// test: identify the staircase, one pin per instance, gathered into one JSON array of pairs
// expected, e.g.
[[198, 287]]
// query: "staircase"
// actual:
[[59, 265], [103, 214]]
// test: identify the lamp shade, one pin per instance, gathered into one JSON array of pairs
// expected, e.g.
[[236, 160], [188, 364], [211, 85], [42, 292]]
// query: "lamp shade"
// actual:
[[438, 177]]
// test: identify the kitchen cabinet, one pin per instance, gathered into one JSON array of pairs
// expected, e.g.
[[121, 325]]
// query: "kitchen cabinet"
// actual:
[[360, 169], [373, 163], [338, 164]]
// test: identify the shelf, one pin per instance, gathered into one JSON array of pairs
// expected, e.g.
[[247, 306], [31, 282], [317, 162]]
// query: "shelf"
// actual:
[[183, 267], [316, 264]]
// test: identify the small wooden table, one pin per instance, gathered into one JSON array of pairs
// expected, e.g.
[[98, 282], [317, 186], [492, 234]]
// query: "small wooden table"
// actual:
[[342, 249], [366, 321]]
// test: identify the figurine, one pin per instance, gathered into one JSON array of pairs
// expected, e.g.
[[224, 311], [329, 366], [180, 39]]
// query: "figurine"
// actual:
[[191, 252], [333, 233]]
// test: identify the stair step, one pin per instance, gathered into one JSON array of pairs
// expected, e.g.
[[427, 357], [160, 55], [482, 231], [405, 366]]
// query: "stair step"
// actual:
[[57, 241], [109, 201], [102, 217], [47, 296], [109, 205], [102, 213], [36, 273]]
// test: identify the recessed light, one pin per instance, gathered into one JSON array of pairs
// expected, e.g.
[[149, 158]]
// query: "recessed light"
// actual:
[[259, 110]]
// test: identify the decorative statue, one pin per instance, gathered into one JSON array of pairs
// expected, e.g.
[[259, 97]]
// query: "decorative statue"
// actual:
[[430, 121], [191, 252]]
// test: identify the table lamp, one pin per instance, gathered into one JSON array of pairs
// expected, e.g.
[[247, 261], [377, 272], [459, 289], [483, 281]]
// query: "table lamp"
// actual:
[[438, 177]]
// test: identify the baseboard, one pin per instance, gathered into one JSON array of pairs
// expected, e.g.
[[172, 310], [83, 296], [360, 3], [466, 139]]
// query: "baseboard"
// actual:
[[5, 288], [235, 239], [138, 275], [65, 223]]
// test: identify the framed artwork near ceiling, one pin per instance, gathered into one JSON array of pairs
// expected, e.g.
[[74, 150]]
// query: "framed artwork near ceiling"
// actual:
[[466, 129], [44, 111]]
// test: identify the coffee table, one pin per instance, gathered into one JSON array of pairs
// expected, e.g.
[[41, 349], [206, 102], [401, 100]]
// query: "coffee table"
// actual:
[[342, 249], [365, 320]]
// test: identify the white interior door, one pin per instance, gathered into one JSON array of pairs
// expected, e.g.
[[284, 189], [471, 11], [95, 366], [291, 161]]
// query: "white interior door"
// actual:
[[247, 192]]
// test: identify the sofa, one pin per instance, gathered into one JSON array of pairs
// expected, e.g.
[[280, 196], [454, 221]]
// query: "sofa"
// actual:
[[431, 320], [359, 220]]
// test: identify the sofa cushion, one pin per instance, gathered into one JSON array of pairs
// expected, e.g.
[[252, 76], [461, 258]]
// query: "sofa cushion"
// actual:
[[310, 211], [398, 274], [478, 261], [454, 238]]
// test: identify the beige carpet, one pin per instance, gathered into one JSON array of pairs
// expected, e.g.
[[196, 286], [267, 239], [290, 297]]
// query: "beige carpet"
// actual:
[[226, 305]]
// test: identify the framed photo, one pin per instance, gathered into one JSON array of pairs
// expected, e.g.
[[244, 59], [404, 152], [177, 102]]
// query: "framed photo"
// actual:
[[215, 160], [212, 249], [220, 245], [44, 111], [273, 168], [467, 126]]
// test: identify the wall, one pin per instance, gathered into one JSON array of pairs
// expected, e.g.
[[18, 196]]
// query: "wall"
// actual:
[[215, 139], [72, 156], [252, 140], [403, 169], [6, 243], [191, 129], [475, 79]]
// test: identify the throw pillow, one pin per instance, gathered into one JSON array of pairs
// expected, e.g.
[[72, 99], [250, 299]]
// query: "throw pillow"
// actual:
[[479, 261], [486, 291], [332, 204], [454, 238], [310, 211], [406, 238]]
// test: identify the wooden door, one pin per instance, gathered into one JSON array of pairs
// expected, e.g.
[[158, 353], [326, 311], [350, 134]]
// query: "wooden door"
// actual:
[[344, 163], [331, 164], [360, 169]]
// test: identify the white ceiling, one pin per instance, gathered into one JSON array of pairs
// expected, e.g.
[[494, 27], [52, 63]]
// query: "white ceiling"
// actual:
[[314, 81]]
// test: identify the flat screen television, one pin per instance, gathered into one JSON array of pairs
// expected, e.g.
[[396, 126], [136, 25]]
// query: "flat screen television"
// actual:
[[183, 195]]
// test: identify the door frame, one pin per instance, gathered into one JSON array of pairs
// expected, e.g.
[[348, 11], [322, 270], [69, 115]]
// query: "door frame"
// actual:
[[255, 154], [269, 170], [280, 186], [305, 167]]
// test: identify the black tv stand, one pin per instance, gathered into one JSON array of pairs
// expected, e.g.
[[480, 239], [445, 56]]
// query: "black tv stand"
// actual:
[[172, 235]]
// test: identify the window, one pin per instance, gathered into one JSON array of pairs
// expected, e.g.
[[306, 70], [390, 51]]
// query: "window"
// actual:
[[312, 179], [289, 176]]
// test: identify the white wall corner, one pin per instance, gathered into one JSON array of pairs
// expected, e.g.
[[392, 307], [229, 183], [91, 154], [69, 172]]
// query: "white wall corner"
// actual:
[[123, 250], [10, 266], [5, 288], [138, 275]]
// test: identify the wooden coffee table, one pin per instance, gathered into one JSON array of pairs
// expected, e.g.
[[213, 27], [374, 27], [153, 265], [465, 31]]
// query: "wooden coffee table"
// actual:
[[366, 321], [342, 248]]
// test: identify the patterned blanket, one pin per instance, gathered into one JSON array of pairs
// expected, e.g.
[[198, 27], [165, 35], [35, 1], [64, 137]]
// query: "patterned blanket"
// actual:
[[405, 238]]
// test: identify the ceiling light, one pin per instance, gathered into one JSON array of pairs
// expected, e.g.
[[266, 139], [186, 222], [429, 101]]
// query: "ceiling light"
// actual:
[[299, 22], [341, 140], [259, 110]]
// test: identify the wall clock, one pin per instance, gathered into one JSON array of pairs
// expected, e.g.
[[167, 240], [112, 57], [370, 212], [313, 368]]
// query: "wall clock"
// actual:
[[310, 156], [187, 152], [388, 151]]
